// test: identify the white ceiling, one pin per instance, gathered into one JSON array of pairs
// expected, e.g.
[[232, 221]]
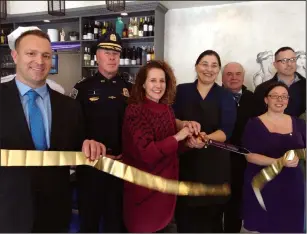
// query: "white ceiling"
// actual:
[[187, 4]]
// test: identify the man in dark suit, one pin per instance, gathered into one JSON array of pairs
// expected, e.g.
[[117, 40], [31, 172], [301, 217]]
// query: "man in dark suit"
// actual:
[[233, 78], [35, 117]]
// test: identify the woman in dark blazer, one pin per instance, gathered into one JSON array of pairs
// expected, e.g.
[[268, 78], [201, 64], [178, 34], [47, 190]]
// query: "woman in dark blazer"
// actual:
[[211, 105]]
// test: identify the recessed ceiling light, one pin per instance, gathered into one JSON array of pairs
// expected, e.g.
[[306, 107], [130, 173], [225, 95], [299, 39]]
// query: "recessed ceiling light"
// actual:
[[47, 21], [124, 13]]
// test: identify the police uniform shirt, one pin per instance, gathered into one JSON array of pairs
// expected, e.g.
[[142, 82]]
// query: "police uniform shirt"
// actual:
[[103, 102]]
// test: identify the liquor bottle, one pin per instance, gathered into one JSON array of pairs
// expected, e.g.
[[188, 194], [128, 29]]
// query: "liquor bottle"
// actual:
[[92, 62], [145, 28], [89, 55], [122, 57], [141, 28], [104, 28], [2, 37], [119, 26], [85, 30], [6, 41], [152, 53], [130, 29], [138, 56], [150, 27], [148, 55], [108, 26], [125, 32], [135, 27], [95, 59], [90, 32], [85, 56], [133, 56], [96, 30], [111, 28], [144, 59], [127, 57], [153, 26], [99, 28]]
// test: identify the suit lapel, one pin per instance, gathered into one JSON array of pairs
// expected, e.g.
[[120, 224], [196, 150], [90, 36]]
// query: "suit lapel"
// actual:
[[15, 116], [55, 117]]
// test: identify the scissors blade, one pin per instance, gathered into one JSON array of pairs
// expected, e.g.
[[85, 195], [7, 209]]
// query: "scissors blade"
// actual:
[[228, 147]]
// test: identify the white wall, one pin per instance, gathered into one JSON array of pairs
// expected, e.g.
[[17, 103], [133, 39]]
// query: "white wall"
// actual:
[[238, 32], [69, 72]]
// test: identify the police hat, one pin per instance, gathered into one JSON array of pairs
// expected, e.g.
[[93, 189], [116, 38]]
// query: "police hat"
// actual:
[[110, 41]]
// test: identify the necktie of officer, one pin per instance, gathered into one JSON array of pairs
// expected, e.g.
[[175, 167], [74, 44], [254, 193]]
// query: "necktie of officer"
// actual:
[[36, 123], [237, 97]]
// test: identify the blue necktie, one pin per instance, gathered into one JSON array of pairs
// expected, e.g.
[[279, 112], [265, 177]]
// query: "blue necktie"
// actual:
[[237, 97], [36, 122]]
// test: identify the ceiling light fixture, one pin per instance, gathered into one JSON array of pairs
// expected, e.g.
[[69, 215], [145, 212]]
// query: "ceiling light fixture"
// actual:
[[3, 9], [116, 6], [56, 8]]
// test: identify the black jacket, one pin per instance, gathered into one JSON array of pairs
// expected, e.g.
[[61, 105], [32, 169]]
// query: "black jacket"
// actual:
[[245, 109], [19, 184]]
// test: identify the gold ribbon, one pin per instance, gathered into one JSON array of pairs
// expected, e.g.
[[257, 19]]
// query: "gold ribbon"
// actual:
[[303, 116], [128, 173], [269, 173]]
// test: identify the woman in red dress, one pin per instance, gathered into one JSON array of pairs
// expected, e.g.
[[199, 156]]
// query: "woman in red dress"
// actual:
[[151, 138]]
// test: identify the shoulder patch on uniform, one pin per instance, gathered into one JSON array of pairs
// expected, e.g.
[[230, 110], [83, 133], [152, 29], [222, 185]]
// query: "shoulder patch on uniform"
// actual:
[[126, 92], [74, 93], [83, 78]]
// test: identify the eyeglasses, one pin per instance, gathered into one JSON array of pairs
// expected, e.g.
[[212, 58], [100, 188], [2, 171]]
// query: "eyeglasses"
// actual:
[[283, 97], [206, 66], [286, 60]]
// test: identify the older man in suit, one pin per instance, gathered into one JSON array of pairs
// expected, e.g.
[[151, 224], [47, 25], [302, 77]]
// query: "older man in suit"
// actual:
[[233, 79], [35, 117]]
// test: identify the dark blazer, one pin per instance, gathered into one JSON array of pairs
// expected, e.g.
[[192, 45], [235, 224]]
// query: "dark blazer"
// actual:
[[244, 113], [19, 185]]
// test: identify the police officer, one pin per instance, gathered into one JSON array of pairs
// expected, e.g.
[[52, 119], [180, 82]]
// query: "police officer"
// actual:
[[104, 99]]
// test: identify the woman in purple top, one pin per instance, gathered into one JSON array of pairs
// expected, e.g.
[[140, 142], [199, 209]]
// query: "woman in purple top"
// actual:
[[268, 137]]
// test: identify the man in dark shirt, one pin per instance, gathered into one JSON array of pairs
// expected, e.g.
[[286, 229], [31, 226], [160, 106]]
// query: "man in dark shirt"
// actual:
[[285, 64], [233, 78], [103, 98]]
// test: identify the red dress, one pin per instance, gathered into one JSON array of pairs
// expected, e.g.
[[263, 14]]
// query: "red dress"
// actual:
[[148, 144]]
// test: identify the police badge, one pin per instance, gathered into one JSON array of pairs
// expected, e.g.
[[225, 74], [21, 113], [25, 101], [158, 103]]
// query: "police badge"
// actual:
[[93, 99], [112, 37]]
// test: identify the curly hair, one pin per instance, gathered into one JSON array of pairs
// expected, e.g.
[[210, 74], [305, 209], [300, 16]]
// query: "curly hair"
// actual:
[[138, 92]]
